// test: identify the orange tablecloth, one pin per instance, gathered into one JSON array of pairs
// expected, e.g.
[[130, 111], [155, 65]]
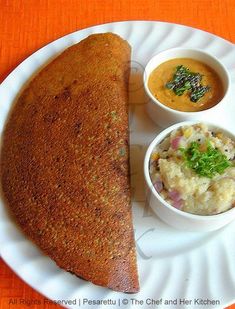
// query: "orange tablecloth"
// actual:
[[27, 25]]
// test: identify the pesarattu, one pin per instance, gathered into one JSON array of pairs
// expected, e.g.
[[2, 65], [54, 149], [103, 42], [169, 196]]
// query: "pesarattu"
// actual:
[[65, 162]]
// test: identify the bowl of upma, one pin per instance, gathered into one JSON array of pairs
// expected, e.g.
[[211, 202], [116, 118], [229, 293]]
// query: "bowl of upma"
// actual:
[[190, 175]]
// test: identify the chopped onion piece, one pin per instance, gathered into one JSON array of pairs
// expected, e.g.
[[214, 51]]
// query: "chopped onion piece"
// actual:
[[158, 185], [175, 142], [178, 204], [174, 195]]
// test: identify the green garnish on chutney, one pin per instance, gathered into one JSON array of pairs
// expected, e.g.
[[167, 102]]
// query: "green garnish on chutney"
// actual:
[[206, 163], [185, 80]]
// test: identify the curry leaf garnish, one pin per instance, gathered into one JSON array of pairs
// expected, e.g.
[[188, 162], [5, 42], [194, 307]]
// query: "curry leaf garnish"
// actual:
[[185, 80], [198, 93], [206, 163]]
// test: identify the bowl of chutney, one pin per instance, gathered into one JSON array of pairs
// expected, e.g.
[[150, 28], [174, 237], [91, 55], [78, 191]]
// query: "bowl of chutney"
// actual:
[[185, 84]]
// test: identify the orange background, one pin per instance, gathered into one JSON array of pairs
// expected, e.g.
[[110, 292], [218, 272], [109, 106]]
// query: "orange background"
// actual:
[[27, 25]]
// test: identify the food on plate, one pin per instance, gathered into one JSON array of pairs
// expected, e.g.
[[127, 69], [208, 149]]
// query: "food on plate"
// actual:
[[186, 84], [65, 162], [193, 169]]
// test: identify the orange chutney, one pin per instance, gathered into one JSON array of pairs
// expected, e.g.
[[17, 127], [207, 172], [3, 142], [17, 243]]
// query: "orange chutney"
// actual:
[[164, 73]]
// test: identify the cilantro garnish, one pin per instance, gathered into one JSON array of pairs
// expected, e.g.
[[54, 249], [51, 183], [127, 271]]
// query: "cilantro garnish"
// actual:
[[185, 80], [206, 163]]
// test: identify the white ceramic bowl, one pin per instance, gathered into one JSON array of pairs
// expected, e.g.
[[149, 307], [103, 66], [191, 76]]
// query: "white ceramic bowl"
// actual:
[[175, 217], [165, 116]]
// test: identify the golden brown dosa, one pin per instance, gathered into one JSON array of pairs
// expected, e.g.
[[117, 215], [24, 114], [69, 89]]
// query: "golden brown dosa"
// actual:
[[65, 162]]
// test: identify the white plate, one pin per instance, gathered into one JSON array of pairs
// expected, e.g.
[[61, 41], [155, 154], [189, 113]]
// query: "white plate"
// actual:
[[173, 265]]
